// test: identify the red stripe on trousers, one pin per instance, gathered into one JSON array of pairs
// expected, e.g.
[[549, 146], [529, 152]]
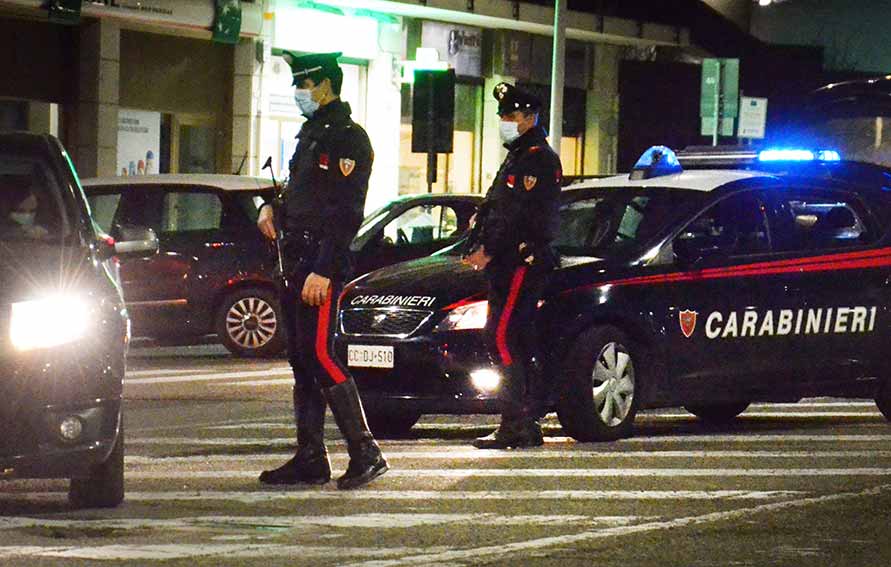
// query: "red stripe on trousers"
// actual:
[[501, 333], [322, 342]]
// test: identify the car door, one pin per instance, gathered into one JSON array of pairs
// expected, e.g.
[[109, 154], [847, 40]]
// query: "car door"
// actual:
[[416, 232], [840, 283], [729, 339]]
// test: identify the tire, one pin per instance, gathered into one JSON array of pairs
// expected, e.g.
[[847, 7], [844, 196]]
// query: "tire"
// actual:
[[599, 400], [717, 413], [104, 487], [385, 425], [883, 401], [249, 323]]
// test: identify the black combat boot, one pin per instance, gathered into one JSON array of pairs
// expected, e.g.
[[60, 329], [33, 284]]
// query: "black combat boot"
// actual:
[[366, 460], [310, 464]]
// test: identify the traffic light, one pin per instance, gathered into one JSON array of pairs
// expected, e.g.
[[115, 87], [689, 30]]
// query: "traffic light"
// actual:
[[433, 111]]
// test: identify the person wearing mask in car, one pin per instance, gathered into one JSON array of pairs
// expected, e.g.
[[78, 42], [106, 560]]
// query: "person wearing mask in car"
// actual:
[[320, 211], [512, 243], [18, 211]]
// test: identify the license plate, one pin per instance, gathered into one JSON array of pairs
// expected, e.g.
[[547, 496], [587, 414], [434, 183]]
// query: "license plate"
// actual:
[[370, 356]]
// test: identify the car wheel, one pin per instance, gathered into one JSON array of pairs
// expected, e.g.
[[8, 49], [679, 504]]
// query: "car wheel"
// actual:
[[249, 323], [387, 425], [717, 413], [599, 401], [883, 401], [104, 487]]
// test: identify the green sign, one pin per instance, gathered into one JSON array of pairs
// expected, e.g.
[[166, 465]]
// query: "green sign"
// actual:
[[708, 126], [64, 11], [710, 87], [730, 88], [719, 86], [227, 23]]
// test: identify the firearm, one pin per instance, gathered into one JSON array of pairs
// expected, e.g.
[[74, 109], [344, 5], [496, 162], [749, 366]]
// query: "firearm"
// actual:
[[278, 218], [475, 235]]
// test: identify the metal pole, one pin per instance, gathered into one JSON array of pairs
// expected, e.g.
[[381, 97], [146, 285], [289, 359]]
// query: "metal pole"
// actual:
[[557, 74]]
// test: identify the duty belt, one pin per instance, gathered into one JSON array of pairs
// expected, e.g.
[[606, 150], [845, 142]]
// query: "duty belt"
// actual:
[[300, 249]]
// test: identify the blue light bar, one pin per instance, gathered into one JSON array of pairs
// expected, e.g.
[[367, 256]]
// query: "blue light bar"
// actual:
[[794, 154], [655, 162]]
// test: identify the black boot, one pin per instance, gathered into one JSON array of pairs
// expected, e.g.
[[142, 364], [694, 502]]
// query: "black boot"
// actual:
[[310, 464], [516, 432], [366, 460]]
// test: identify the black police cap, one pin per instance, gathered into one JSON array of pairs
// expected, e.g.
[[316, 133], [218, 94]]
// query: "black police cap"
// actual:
[[313, 65], [511, 98]]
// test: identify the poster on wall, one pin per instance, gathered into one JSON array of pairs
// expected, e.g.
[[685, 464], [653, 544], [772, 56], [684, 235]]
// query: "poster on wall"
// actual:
[[461, 46], [139, 141]]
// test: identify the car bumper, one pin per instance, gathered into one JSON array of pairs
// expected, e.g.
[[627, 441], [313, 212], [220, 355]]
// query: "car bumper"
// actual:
[[430, 374]]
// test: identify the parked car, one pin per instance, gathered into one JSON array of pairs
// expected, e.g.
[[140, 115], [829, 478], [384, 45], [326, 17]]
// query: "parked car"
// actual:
[[215, 271], [64, 327], [708, 289]]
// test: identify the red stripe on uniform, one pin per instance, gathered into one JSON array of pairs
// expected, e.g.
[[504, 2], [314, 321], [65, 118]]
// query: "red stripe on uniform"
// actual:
[[322, 342], [501, 333]]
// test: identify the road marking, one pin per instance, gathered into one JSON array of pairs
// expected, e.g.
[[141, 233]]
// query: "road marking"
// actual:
[[667, 438], [499, 551], [548, 473], [372, 520], [207, 377], [280, 382], [297, 493], [475, 454]]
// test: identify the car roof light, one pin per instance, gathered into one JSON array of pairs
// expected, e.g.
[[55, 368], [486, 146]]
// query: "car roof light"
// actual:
[[797, 154], [655, 162]]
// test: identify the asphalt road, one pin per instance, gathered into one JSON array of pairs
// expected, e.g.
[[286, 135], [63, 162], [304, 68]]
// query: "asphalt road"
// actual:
[[787, 484]]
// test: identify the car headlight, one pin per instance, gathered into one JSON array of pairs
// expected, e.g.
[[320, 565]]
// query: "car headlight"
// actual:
[[48, 322], [469, 316]]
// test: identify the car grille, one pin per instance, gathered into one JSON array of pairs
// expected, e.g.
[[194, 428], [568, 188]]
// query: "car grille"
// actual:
[[383, 322]]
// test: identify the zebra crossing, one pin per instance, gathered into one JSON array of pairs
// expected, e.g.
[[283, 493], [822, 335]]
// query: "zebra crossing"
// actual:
[[193, 499]]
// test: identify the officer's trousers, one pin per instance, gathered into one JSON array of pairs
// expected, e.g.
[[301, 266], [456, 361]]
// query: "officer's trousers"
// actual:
[[512, 339]]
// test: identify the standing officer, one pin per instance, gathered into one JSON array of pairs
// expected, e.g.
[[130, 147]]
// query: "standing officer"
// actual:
[[322, 208], [512, 242]]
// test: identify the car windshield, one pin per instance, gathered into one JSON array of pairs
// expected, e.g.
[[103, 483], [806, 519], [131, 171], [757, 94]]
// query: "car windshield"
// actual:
[[611, 221], [30, 200]]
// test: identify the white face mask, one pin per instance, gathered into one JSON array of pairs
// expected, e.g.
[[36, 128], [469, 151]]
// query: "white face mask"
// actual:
[[303, 98], [509, 131], [23, 219]]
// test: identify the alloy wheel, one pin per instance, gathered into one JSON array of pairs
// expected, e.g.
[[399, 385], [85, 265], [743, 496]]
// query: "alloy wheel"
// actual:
[[613, 384], [251, 322]]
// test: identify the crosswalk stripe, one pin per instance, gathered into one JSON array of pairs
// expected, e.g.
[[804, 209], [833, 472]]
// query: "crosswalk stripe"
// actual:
[[475, 454], [550, 473], [261, 497], [206, 377]]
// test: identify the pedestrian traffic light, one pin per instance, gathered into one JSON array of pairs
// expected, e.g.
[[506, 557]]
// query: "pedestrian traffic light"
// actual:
[[433, 111]]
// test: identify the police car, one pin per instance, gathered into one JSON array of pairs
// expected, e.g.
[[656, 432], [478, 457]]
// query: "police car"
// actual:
[[763, 277]]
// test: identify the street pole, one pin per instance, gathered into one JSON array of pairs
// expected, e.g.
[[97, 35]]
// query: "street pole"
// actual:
[[557, 76]]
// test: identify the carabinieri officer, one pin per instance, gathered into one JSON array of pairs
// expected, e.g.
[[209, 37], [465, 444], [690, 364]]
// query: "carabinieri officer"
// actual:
[[517, 222], [323, 205]]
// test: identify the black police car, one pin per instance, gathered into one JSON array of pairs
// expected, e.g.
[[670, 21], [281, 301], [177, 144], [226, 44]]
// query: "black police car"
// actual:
[[215, 272], [63, 327], [707, 288]]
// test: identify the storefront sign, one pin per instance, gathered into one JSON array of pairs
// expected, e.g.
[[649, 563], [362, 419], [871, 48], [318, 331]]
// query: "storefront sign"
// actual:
[[139, 141], [513, 54], [315, 31], [461, 46]]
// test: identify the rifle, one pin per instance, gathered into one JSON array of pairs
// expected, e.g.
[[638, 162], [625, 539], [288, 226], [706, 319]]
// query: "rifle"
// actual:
[[277, 212]]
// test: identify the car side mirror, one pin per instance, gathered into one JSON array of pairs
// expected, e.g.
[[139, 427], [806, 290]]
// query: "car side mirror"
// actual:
[[136, 242]]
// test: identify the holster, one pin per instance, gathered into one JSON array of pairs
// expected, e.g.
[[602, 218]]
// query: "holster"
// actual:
[[300, 248]]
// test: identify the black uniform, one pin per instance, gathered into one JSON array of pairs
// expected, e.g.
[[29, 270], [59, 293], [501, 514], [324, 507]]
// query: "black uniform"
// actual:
[[519, 220], [321, 210]]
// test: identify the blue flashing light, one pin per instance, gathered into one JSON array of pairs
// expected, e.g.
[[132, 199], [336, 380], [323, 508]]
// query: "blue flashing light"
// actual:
[[796, 154], [655, 162]]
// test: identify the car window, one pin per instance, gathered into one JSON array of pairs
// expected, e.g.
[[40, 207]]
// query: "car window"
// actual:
[[423, 224], [736, 226], [186, 211], [104, 207], [31, 204], [815, 222]]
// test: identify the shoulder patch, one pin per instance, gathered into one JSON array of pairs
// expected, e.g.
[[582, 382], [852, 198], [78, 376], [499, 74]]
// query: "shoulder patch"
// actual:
[[511, 181], [323, 161], [347, 166], [534, 149], [529, 182]]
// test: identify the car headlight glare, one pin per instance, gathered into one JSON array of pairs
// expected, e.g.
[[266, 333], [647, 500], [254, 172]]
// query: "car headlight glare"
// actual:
[[48, 322], [469, 316]]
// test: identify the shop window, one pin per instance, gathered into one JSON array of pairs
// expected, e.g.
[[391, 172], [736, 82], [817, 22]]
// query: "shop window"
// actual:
[[457, 172]]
